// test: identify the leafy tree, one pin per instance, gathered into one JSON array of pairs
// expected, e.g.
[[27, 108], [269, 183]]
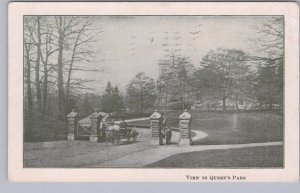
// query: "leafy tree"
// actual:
[[269, 80], [106, 98], [269, 83], [175, 83], [112, 100], [206, 86], [226, 66], [117, 99], [140, 92], [108, 89]]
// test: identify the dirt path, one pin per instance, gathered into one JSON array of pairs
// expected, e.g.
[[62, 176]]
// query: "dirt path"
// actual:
[[146, 157], [80, 153], [74, 154]]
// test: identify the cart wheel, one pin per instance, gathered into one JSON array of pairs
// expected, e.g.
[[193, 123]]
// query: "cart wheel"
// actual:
[[134, 138], [115, 141], [128, 136]]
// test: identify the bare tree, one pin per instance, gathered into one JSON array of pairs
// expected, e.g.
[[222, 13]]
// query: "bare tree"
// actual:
[[54, 48], [271, 37], [80, 51], [64, 26], [49, 48], [37, 64], [28, 45]]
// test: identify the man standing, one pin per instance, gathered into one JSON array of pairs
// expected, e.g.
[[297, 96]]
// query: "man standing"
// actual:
[[163, 130], [123, 124], [168, 135]]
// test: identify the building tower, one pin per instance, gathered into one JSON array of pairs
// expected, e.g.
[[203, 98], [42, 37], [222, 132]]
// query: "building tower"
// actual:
[[164, 66]]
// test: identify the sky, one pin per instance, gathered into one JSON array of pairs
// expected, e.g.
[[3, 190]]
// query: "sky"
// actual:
[[131, 44]]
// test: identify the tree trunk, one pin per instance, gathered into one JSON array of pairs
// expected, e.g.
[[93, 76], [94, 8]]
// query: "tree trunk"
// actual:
[[166, 103], [70, 70], [60, 81], [224, 103], [28, 78], [181, 97], [236, 103], [270, 105], [68, 83], [37, 68], [45, 85], [140, 101]]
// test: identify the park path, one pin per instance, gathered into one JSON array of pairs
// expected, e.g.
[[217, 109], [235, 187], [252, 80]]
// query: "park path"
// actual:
[[142, 158], [80, 153], [85, 154], [149, 156], [198, 134]]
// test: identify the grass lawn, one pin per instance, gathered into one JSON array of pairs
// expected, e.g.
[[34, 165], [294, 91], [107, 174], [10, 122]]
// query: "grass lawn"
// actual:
[[254, 157], [251, 127], [41, 128]]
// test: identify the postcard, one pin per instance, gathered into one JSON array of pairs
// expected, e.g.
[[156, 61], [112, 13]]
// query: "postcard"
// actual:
[[153, 92]]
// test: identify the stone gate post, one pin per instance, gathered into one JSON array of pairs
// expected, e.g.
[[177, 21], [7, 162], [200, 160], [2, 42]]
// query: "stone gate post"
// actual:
[[185, 120], [72, 124], [156, 126], [95, 123]]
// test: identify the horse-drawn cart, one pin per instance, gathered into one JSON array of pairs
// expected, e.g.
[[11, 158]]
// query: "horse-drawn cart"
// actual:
[[115, 134], [107, 131]]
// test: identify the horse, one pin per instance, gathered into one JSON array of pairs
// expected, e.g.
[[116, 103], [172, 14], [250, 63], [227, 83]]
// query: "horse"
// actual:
[[110, 132], [113, 133]]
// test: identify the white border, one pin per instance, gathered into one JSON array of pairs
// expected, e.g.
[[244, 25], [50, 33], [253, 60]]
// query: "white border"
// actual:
[[15, 90]]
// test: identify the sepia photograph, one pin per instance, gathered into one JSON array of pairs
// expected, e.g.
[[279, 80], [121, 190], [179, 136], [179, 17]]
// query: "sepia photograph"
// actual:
[[154, 92]]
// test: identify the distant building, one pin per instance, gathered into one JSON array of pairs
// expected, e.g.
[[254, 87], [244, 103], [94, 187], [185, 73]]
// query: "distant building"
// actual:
[[164, 66]]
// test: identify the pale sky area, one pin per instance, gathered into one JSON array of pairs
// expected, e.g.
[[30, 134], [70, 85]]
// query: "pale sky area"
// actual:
[[132, 44]]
